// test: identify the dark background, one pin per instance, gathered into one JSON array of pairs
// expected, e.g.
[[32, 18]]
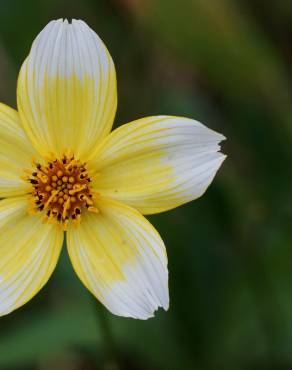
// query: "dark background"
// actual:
[[226, 63]]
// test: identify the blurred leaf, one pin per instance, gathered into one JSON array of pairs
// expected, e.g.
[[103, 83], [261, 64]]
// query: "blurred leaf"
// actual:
[[48, 333]]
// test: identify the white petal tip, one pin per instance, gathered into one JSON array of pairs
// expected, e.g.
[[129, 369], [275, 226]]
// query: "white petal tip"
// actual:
[[145, 315]]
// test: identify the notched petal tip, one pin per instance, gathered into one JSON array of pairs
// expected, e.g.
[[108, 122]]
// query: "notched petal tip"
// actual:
[[123, 262], [68, 78], [68, 21], [158, 163]]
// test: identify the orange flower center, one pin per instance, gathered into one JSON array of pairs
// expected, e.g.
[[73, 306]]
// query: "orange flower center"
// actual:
[[61, 189]]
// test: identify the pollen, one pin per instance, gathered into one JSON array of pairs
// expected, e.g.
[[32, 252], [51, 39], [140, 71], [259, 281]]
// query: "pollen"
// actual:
[[61, 190]]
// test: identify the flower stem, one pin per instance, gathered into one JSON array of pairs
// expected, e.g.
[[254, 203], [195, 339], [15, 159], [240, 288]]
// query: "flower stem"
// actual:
[[110, 350]]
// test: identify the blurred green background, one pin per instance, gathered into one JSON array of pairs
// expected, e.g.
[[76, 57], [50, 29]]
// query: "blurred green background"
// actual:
[[226, 63]]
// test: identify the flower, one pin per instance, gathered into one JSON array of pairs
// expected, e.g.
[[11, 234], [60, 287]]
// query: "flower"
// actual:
[[62, 170]]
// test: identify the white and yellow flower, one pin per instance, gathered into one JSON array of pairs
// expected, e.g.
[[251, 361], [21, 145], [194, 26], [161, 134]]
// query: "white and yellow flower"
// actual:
[[62, 170]]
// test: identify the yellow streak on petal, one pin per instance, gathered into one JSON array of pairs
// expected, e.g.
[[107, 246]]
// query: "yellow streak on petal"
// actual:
[[121, 259], [157, 163], [29, 251], [66, 114], [15, 153]]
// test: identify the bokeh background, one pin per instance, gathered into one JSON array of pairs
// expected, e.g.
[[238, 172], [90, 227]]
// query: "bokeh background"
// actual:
[[226, 63]]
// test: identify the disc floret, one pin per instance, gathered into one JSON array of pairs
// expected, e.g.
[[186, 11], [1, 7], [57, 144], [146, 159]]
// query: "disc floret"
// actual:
[[61, 189]]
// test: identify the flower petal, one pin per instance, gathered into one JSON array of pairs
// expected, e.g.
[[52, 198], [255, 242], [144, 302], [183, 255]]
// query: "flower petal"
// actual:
[[157, 163], [121, 259], [29, 251], [67, 89], [16, 153]]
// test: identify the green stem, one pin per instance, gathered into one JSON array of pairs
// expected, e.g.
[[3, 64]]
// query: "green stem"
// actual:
[[110, 349]]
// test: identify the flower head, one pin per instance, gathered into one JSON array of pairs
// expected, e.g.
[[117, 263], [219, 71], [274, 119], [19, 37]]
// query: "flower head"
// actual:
[[61, 170]]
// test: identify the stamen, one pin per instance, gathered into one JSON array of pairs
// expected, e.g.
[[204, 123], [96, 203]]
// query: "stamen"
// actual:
[[76, 189], [44, 178], [93, 209], [65, 208], [61, 189], [52, 196]]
